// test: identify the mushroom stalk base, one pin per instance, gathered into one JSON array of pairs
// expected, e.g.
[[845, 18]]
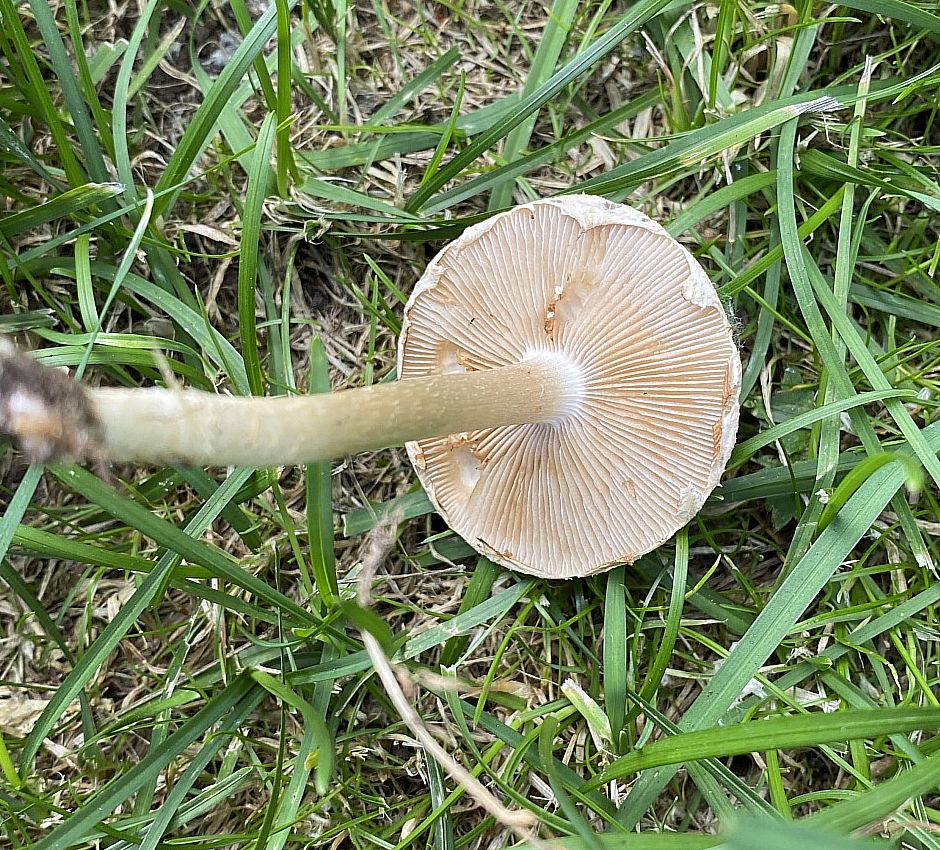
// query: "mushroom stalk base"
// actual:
[[201, 429]]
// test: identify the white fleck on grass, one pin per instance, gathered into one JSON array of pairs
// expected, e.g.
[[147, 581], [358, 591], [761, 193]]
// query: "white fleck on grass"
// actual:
[[826, 103], [597, 720]]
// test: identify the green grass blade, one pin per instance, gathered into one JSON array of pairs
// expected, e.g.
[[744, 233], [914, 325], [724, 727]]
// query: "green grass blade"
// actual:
[[775, 254], [61, 206], [93, 656], [12, 144], [512, 170], [199, 131], [314, 726], [773, 835], [899, 11], [16, 510], [711, 772], [873, 372], [214, 346], [248, 252], [724, 33], [364, 519], [319, 493], [71, 90], [182, 543], [667, 642], [860, 474], [615, 653], [639, 14], [717, 200], [415, 86], [443, 825], [776, 733], [122, 157], [169, 809], [875, 805], [477, 591], [549, 729], [446, 137], [285, 154], [701, 145], [81, 825], [746, 449], [552, 40], [124, 267], [792, 598], [492, 610]]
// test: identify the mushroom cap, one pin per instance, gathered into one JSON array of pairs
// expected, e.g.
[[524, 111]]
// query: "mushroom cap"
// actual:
[[604, 286]]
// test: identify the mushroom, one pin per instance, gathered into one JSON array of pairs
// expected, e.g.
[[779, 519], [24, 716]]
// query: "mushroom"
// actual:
[[567, 395], [602, 296]]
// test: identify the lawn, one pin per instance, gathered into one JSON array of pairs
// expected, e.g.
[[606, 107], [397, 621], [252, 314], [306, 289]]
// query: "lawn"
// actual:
[[239, 197]]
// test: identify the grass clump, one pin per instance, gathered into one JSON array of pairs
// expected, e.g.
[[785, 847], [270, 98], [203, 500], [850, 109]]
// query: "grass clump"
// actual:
[[238, 197]]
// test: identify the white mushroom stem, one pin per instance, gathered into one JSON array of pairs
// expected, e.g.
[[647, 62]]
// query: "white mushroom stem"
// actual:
[[201, 429]]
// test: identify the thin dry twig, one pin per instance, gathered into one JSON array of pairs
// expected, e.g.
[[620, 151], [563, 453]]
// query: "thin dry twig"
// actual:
[[395, 679]]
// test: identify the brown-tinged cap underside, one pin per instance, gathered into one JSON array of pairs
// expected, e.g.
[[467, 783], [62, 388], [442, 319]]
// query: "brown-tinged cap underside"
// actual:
[[608, 288]]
